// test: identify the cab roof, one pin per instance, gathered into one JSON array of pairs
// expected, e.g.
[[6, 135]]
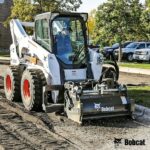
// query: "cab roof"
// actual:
[[52, 15]]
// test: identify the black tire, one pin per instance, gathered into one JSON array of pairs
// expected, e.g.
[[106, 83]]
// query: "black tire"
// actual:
[[130, 57], [109, 72], [12, 84], [31, 90], [139, 61]]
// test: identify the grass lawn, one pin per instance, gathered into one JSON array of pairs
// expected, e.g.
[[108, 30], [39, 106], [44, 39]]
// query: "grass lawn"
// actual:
[[136, 65], [4, 54], [141, 94]]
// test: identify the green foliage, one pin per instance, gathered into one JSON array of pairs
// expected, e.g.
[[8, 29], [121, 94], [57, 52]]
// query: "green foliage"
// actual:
[[135, 65], [58, 5], [91, 23], [145, 19], [140, 94], [120, 20], [147, 2], [25, 11], [4, 54]]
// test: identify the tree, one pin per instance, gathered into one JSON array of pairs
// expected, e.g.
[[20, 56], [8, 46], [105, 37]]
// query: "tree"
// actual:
[[145, 19], [117, 20], [147, 3], [138, 28], [58, 5], [91, 23], [25, 10]]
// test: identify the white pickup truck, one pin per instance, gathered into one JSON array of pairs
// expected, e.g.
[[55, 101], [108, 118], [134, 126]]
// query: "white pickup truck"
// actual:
[[142, 55]]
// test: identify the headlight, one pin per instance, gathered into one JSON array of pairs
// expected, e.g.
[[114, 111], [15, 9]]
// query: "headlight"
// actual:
[[144, 53]]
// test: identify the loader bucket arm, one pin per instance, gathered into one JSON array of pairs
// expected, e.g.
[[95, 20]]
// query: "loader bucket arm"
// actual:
[[17, 31]]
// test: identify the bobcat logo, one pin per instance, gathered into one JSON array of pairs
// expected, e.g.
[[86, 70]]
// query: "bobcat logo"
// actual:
[[117, 141], [97, 106]]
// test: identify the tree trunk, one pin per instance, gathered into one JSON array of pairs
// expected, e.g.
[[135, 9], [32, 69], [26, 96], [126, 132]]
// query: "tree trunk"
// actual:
[[120, 52]]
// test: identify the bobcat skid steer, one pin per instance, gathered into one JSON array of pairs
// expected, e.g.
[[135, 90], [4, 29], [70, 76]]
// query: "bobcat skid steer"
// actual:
[[54, 70]]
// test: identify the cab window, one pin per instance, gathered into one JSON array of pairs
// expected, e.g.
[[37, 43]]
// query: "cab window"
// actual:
[[69, 40], [42, 33]]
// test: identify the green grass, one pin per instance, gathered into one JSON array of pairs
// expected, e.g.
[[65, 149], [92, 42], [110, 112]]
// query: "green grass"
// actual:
[[4, 54], [141, 94], [135, 65]]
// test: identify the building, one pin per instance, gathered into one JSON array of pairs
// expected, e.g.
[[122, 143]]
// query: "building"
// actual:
[[5, 37]]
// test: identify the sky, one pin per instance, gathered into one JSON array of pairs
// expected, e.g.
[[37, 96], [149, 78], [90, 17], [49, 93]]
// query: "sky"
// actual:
[[88, 5], [1, 1]]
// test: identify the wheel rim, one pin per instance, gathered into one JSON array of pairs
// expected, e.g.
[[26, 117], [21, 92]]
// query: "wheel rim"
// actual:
[[26, 89], [8, 83], [130, 57]]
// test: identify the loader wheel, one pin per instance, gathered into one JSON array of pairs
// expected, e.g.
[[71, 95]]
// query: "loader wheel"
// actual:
[[12, 84], [109, 73], [31, 90], [130, 57]]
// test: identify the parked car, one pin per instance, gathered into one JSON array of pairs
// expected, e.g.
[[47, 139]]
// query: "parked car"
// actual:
[[108, 50], [129, 50], [142, 54], [94, 47]]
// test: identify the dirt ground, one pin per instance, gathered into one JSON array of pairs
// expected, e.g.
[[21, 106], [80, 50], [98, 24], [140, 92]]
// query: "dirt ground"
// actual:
[[137, 79], [98, 135], [17, 133]]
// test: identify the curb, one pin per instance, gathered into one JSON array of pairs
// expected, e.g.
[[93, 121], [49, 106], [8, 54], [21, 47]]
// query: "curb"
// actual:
[[5, 58], [141, 111], [134, 70]]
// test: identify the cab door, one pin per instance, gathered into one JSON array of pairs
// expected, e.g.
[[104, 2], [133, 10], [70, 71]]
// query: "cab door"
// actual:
[[42, 33]]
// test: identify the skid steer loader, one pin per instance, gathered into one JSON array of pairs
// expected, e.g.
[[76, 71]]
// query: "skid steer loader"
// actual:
[[54, 70]]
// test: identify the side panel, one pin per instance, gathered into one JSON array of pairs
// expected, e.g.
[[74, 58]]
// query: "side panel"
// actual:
[[96, 61], [54, 67], [49, 62]]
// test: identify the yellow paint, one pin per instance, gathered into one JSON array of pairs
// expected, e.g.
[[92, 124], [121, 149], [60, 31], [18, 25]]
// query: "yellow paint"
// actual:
[[33, 60]]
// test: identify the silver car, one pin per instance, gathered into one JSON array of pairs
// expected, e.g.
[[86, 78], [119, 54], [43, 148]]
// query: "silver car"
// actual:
[[142, 54], [129, 50]]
